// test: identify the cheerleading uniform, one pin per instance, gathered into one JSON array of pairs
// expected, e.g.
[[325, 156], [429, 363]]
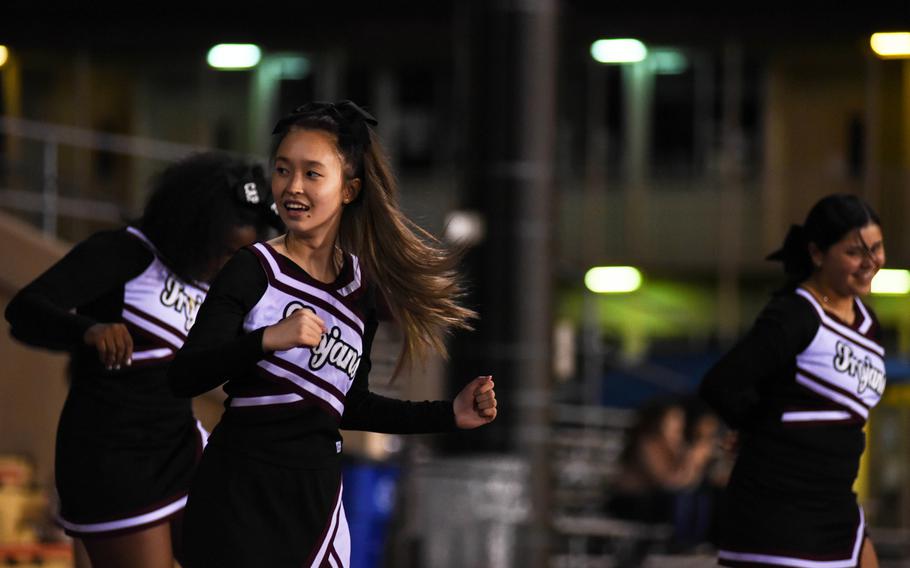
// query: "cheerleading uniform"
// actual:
[[126, 446], [799, 388], [268, 491]]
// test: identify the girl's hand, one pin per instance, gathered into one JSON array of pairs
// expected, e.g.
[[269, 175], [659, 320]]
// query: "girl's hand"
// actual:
[[113, 342], [303, 328], [475, 405]]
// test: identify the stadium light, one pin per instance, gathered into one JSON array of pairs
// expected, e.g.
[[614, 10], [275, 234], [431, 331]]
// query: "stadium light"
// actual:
[[891, 281], [624, 50], [233, 56], [613, 279], [891, 45]]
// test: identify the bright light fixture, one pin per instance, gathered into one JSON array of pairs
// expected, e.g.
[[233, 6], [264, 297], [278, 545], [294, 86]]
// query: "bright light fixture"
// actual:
[[891, 45], [234, 56], [625, 50], [613, 279], [464, 227], [891, 281]]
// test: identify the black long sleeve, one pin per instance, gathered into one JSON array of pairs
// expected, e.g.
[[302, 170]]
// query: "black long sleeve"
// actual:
[[371, 412], [56, 309], [784, 328], [217, 349]]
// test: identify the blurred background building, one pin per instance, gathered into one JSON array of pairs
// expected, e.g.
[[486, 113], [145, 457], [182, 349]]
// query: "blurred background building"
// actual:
[[686, 161]]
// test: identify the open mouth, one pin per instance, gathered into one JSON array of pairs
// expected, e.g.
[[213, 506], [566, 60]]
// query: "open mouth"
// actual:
[[296, 206]]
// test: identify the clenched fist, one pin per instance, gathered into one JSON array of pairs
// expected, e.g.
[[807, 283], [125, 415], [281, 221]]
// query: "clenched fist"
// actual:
[[303, 328], [475, 405]]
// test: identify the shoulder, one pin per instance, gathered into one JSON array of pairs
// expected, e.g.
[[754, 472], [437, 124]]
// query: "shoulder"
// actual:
[[788, 308], [790, 318], [117, 240], [115, 250], [243, 267], [241, 281]]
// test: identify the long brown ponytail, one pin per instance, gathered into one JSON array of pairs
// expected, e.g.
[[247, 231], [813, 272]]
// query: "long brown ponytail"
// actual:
[[415, 271]]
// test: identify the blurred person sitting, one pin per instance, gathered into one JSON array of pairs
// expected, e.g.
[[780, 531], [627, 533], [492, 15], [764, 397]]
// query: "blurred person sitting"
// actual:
[[655, 463], [696, 507]]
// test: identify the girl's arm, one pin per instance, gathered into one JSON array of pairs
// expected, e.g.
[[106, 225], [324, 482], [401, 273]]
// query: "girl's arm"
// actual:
[[671, 471], [217, 348], [783, 330], [474, 406], [365, 410], [42, 314]]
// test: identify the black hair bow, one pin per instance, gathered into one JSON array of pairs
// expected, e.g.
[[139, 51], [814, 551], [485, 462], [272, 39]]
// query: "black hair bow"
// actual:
[[349, 116]]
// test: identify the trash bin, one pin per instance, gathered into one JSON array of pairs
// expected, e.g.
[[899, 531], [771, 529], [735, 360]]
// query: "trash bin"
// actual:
[[369, 501]]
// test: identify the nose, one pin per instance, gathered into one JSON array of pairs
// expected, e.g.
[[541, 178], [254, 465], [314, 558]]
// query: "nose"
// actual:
[[295, 184]]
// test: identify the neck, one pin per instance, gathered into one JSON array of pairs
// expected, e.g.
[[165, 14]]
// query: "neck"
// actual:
[[833, 301], [319, 257]]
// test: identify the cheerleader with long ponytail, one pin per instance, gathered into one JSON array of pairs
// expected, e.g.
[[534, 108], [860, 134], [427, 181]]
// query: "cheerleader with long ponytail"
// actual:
[[289, 324]]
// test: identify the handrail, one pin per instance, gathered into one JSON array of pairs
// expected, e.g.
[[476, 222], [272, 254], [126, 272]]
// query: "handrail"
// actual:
[[48, 202], [92, 139]]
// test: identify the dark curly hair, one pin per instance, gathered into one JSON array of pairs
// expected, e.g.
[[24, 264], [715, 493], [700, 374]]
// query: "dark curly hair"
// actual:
[[196, 202]]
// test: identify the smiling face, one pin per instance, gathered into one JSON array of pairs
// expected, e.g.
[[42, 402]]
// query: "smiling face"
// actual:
[[848, 266], [309, 184]]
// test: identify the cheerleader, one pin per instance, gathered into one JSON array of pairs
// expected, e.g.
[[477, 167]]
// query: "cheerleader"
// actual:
[[121, 302], [799, 388], [289, 324]]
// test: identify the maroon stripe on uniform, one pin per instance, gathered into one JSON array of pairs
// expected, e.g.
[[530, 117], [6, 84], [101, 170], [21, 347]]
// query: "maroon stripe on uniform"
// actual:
[[873, 347], [302, 295], [289, 268], [330, 548], [815, 378], [130, 514], [306, 375], [325, 531], [152, 319], [323, 404]]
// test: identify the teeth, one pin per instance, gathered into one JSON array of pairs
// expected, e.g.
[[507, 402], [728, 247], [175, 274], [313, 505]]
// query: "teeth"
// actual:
[[296, 207]]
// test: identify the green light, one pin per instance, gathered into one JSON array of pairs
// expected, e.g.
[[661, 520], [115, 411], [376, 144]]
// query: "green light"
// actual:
[[618, 51], [4, 55], [613, 279], [234, 56], [893, 45], [891, 281], [668, 62], [294, 67]]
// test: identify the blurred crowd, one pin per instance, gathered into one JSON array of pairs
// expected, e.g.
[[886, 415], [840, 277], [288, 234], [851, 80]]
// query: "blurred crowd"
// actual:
[[673, 468]]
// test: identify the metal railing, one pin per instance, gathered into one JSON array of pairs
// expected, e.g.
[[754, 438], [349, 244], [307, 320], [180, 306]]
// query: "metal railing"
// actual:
[[48, 202]]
